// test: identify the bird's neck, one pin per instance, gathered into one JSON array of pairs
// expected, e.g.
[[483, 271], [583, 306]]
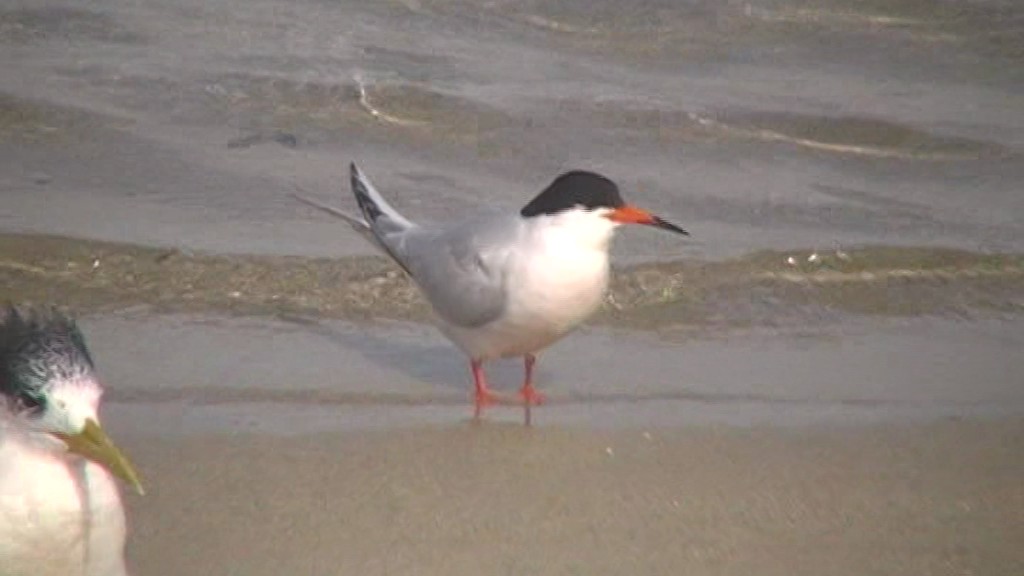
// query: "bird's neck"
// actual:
[[573, 231]]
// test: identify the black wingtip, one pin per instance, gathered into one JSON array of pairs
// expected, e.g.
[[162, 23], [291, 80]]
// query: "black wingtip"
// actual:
[[367, 206], [353, 174]]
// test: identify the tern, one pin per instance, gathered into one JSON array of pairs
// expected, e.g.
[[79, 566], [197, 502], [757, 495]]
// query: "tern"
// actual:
[[507, 285], [60, 509]]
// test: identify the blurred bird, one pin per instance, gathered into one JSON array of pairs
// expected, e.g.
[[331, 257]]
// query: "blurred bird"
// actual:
[[60, 509], [507, 284]]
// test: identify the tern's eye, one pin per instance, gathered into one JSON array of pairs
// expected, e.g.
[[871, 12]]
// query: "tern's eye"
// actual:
[[31, 404]]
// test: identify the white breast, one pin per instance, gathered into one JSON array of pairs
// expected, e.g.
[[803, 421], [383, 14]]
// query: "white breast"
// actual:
[[556, 280], [59, 515]]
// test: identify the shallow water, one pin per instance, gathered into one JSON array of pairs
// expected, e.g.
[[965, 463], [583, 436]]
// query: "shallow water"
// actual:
[[755, 124], [276, 377]]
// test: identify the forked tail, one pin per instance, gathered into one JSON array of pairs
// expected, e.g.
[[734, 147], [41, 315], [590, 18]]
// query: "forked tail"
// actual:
[[376, 210], [381, 224]]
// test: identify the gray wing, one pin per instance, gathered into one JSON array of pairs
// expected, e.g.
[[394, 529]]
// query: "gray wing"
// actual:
[[463, 270]]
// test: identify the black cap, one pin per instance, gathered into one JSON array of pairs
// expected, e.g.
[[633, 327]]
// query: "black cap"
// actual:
[[572, 189]]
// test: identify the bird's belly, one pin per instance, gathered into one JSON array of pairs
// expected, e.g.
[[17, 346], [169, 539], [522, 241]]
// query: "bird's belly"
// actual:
[[503, 339], [58, 516], [539, 312]]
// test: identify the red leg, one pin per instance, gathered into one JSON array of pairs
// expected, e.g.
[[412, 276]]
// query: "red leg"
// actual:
[[484, 396], [528, 392]]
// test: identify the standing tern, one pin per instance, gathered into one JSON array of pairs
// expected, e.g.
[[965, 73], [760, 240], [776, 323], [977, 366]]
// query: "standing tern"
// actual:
[[60, 510], [507, 285]]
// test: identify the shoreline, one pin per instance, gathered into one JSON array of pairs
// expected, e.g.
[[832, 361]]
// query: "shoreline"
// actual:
[[689, 298]]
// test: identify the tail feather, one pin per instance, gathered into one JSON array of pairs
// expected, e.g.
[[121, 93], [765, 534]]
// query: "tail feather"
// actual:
[[381, 220], [357, 224], [378, 213]]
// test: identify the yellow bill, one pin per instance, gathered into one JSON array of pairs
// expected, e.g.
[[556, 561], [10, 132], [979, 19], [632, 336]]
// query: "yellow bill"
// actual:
[[93, 443]]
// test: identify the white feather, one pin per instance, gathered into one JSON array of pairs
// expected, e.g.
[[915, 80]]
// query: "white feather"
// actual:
[[60, 514]]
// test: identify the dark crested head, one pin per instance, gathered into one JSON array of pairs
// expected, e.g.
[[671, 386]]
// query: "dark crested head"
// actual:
[[591, 191], [39, 348], [48, 380], [573, 189]]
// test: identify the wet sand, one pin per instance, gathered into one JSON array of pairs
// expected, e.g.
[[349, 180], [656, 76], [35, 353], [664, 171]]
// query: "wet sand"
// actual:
[[796, 288], [335, 448], [944, 498]]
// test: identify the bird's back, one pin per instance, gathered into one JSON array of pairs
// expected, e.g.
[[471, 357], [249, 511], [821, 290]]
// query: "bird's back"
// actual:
[[460, 268], [463, 269]]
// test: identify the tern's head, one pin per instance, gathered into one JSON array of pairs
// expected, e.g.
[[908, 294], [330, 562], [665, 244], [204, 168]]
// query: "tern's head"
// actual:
[[48, 383], [594, 198]]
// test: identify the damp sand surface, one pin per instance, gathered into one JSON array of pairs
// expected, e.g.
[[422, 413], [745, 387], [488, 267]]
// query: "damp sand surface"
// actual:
[[797, 288], [270, 445], [502, 499], [857, 413], [797, 436]]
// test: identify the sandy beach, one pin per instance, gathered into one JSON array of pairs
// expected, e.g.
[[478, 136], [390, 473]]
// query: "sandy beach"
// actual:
[[824, 380], [943, 498], [338, 448]]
